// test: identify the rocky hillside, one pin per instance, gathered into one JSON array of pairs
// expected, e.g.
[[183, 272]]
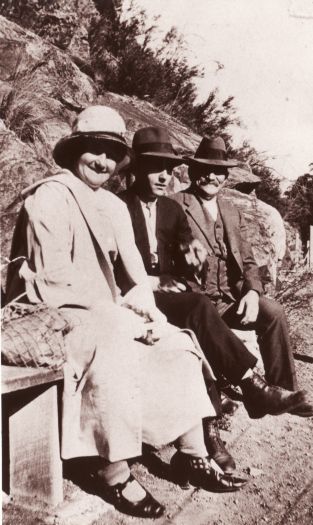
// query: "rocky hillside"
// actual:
[[41, 91]]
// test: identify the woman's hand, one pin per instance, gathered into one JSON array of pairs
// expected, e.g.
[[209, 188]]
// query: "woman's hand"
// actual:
[[140, 300]]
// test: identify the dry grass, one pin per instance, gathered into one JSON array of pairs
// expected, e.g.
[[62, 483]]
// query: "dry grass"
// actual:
[[26, 109]]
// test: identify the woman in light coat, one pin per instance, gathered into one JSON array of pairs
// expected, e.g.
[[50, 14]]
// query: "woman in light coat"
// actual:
[[119, 391]]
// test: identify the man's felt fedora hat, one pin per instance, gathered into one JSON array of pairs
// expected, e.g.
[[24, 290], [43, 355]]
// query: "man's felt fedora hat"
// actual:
[[154, 143], [212, 151], [96, 129]]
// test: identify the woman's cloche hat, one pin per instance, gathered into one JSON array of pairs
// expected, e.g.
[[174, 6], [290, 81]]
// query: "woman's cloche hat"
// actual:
[[212, 151], [93, 128]]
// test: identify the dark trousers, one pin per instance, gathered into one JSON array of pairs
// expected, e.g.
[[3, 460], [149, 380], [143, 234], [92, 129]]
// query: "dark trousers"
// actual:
[[227, 355], [273, 339]]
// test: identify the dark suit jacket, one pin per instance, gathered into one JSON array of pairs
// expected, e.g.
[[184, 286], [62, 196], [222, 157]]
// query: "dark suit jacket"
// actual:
[[172, 229], [243, 270]]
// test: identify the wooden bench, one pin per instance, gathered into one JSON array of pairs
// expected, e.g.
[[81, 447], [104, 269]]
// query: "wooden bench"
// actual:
[[32, 466]]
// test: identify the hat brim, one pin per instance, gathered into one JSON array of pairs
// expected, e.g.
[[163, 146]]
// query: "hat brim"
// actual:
[[69, 149], [169, 158], [231, 163]]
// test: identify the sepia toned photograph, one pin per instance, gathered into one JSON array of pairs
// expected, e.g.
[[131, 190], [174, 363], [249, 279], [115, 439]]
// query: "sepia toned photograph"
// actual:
[[156, 163]]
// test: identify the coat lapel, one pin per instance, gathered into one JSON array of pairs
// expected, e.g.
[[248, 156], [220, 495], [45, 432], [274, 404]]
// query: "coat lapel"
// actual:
[[230, 222], [195, 211], [139, 227], [161, 217]]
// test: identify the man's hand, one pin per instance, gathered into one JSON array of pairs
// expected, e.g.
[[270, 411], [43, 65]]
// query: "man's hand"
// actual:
[[195, 254], [169, 284], [249, 307]]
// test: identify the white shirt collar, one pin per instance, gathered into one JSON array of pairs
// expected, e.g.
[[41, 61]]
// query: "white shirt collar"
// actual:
[[211, 207]]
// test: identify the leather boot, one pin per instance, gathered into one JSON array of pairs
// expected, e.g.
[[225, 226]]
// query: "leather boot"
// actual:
[[260, 398], [215, 446], [304, 410], [229, 406]]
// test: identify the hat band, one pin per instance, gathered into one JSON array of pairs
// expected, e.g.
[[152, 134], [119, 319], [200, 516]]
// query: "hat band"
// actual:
[[154, 147], [99, 135], [216, 154]]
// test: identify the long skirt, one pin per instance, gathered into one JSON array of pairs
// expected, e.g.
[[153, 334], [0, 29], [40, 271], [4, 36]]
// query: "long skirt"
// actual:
[[119, 393]]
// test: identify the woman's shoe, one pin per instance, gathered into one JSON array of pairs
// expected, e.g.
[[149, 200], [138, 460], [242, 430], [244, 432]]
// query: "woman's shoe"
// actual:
[[147, 507], [204, 473]]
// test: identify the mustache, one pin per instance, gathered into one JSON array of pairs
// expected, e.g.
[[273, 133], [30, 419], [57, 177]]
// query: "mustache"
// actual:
[[204, 182]]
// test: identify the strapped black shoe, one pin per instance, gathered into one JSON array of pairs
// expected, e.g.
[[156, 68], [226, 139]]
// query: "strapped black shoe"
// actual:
[[148, 507], [216, 447], [203, 473], [260, 398]]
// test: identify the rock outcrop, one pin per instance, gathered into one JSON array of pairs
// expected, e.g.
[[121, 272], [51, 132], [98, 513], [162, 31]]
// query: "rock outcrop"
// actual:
[[63, 23]]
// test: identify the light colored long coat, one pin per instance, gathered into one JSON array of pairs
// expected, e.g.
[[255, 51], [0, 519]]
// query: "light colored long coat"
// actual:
[[117, 392]]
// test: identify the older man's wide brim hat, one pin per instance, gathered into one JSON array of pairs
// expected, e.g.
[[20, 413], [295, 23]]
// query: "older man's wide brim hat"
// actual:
[[97, 129], [212, 152], [154, 143]]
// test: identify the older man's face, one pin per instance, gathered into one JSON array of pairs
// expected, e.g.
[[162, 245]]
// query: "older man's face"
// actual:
[[211, 180], [95, 169]]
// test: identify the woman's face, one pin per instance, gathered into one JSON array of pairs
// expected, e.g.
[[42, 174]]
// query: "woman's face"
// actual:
[[94, 169]]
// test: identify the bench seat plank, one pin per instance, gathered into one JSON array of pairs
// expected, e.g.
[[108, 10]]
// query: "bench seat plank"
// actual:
[[19, 378]]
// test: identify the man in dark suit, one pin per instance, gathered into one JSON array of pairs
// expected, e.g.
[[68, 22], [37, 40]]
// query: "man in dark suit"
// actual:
[[166, 243], [230, 276]]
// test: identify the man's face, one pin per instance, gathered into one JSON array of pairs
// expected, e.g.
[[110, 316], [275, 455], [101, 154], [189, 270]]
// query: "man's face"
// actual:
[[211, 180], [157, 183], [95, 169], [153, 178]]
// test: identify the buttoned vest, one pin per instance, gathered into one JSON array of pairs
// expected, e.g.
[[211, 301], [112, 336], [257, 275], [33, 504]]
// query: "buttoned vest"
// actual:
[[216, 279]]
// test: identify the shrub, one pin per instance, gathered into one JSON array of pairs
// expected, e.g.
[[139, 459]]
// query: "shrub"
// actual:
[[300, 205], [126, 61]]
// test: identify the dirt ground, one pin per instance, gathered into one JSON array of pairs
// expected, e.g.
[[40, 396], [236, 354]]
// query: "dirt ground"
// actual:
[[275, 453]]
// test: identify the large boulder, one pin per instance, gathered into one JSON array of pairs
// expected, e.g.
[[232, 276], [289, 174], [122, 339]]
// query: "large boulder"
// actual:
[[241, 178], [266, 231]]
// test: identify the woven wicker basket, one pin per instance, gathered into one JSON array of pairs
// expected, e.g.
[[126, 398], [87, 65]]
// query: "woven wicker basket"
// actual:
[[33, 335]]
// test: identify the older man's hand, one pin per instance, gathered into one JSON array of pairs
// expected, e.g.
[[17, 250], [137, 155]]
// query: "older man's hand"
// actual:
[[249, 307]]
